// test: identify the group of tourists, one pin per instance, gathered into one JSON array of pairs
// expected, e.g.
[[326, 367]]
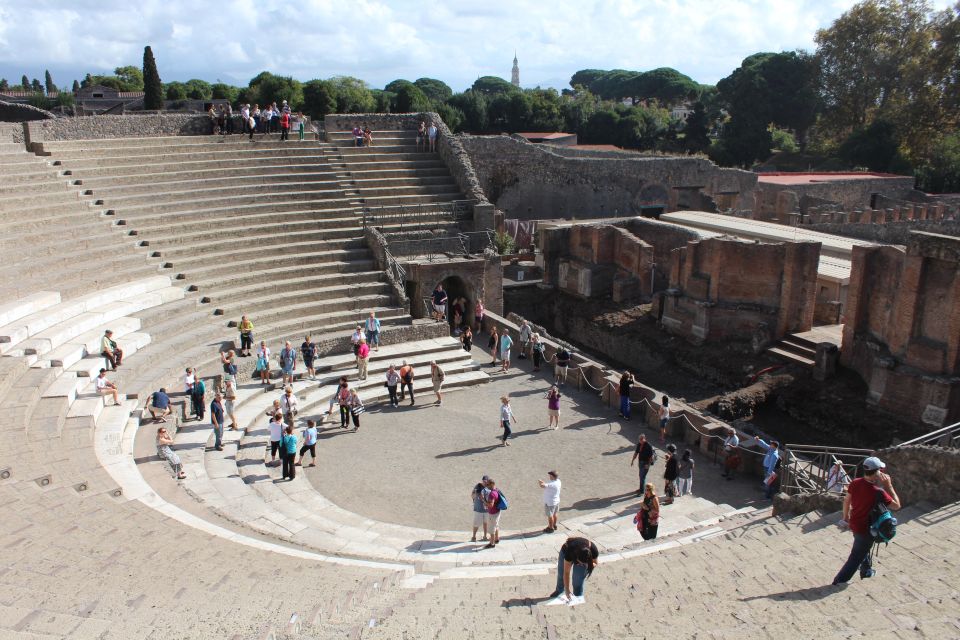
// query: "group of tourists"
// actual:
[[271, 119]]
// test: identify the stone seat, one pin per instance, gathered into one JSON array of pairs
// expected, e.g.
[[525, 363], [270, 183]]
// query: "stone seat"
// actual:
[[242, 276], [236, 153], [270, 286], [282, 200], [180, 145], [336, 137], [168, 191], [252, 266], [216, 231], [356, 296], [331, 324], [215, 207], [180, 162], [48, 183], [228, 247], [151, 183], [414, 199], [88, 343], [132, 174], [39, 209]]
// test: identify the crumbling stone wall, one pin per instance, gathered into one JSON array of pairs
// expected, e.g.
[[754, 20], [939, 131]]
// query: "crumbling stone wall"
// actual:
[[530, 181], [11, 132], [722, 288], [924, 473], [895, 232], [902, 330], [481, 278], [113, 126], [853, 193], [605, 260]]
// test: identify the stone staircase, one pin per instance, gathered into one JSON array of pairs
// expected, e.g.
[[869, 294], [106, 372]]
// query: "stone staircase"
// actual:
[[796, 350]]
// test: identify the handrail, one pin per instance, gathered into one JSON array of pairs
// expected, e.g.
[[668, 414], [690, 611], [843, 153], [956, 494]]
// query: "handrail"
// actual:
[[818, 469], [947, 437]]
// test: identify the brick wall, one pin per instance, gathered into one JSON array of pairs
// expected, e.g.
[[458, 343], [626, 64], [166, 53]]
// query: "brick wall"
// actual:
[[115, 126]]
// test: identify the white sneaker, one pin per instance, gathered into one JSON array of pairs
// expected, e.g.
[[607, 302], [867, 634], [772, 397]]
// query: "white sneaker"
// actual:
[[560, 599], [575, 600]]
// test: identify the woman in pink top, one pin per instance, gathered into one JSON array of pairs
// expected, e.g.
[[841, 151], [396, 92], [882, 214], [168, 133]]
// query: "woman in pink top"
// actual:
[[363, 356], [553, 407]]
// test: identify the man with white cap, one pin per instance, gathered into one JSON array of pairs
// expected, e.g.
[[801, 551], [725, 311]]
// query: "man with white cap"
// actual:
[[862, 494]]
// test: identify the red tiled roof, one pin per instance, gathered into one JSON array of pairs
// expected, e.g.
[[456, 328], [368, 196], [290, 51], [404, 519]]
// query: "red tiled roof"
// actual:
[[786, 177], [546, 136]]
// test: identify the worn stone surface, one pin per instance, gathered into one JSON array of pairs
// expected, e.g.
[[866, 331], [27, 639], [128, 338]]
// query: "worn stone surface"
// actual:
[[924, 473], [893, 232], [125, 126], [14, 112]]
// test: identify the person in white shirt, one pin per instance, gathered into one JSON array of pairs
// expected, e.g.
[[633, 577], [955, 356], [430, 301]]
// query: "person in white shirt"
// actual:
[[732, 460], [276, 433], [551, 500], [432, 135], [289, 406], [309, 443], [107, 388], [266, 115]]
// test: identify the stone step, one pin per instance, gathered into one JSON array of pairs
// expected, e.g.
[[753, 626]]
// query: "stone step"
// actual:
[[257, 244], [40, 209], [210, 232], [146, 184], [131, 174], [201, 189], [267, 287], [49, 185], [292, 201], [245, 277], [233, 153], [317, 300], [330, 325], [40, 198], [304, 256], [88, 343], [181, 162], [790, 356], [90, 365], [185, 148], [27, 305], [66, 385]]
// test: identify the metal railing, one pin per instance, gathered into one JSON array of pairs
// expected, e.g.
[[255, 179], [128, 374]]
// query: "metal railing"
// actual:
[[948, 437], [432, 247], [426, 215], [815, 469]]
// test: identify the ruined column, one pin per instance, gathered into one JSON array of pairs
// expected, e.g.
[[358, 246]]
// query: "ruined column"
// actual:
[[893, 214]]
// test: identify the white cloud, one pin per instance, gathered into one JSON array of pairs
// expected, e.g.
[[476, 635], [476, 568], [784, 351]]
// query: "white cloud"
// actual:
[[379, 41]]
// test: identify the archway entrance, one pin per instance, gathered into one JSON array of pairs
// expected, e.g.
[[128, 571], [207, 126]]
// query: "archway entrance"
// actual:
[[460, 297]]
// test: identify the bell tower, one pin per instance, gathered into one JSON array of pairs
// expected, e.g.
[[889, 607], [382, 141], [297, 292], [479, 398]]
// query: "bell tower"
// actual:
[[515, 74]]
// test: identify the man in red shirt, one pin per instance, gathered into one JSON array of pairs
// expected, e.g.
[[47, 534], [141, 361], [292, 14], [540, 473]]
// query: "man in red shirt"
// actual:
[[862, 494]]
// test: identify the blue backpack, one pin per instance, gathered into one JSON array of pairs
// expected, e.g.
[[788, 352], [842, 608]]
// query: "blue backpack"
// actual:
[[501, 501], [883, 526]]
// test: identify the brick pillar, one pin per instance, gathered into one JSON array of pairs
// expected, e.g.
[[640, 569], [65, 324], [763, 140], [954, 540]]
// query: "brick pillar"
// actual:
[[857, 306], [907, 213], [893, 214], [881, 216], [904, 312]]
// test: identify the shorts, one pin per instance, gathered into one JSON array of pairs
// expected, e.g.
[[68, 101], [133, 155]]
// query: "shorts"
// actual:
[[551, 510], [158, 409], [440, 308], [228, 406], [479, 517], [504, 354], [553, 413], [492, 520], [288, 369], [559, 371], [308, 363], [437, 386]]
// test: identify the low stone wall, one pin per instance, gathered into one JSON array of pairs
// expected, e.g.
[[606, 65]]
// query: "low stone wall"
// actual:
[[449, 146], [897, 232], [16, 112], [125, 126], [11, 132], [379, 247], [924, 474], [534, 181]]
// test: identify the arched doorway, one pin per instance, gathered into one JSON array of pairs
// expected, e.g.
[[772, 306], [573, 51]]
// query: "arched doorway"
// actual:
[[460, 295]]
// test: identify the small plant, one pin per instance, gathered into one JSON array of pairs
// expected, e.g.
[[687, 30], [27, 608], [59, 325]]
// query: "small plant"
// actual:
[[504, 243]]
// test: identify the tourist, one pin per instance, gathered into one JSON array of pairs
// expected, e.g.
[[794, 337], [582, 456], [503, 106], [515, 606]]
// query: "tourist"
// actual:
[[266, 118], [357, 136], [524, 337], [479, 509], [216, 420], [263, 362], [373, 331], [862, 494], [286, 108], [432, 136], [562, 359], [227, 359], [406, 380], [309, 352], [228, 116], [466, 339], [356, 408], [536, 347], [244, 124], [159, 401], [491, 499], [367, 136], [110, 351], [422, 136], [288, 448], [229, 402], [437, 376], [301, 123], [393, 379], [648, 518], [188, 379], [165, 451], [275, 119], [274, 409], [343, 401], [355, 339], [645, 454], [731, 456], [363, 358], [255, 114], [309, 443], [553, 408], [198, 394], [685, 473], [626, 381], [221, 121], [288, 362], [577, 559], [456, 312], [771, 462], [551, 500], [670, 475], [439, 298], [837, 478], [212, 114], [107, 388], [276, 435], [664, 416], [285, 129], [506, 418], [246, 336], [478, 312], [289, 405], [493, 344], [252, 125], [506, 343]]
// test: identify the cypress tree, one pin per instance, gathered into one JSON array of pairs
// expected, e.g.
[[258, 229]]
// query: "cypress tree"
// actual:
[[25, 82], [48, 81], [152, 87], [36, 86], [4, 85], [76, 86]]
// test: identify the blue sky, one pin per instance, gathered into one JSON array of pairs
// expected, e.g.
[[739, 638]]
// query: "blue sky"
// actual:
[[380, 41]]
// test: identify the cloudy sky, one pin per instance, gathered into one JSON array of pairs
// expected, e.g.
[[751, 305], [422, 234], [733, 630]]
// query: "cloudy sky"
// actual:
[[379, 41]]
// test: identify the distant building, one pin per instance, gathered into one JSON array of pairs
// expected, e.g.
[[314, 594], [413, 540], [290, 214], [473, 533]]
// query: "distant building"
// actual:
[[515, 74], [96, 99], [18, 96], [681, 111]]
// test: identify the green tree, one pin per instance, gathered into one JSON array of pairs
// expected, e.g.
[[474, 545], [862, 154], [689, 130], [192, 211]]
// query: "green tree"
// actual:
[[198, 89], [577, 108], [382, 100], [875, 147], [473, 106], [492, 85], [76, 86], [36, 87], [130, 77], [25, 83], [408, 98], [437, 90], [545, 113], [152, 86], [452, 116], [585, 77], [48, 82], [783, 140], [319, 98], [4, 85], [40, 101], [940, 171], [223, 91], [353, 95], [175, 90], [87, 81], [665, 85], [64, 99], [696, 137]]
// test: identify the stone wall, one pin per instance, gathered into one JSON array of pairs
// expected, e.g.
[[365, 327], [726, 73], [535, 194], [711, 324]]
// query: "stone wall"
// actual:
[[11, 132], [897, 232], [604, 260], [850, 194], [16, 112], [449, 146], [125, 126], [379, 248], [722, 288], [902, 330], [923, 473], [531, 181], [472, 278]]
